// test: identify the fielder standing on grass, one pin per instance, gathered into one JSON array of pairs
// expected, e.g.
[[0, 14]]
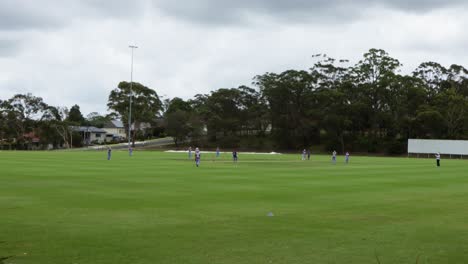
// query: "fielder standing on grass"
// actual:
[[334, 157], [190, 152], [234, 156], [109, 153], [130, 151], [437, 155], [217, 152], [197, 157], [347, 158]]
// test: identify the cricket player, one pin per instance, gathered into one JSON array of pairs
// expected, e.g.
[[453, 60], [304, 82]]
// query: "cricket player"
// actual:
[[217, 152], [109, 153], [190, 152], [234, 156], [437, 155], [347, 157], [197, 156], [308, 154], [334, 157], [304, 153], [130, 151]]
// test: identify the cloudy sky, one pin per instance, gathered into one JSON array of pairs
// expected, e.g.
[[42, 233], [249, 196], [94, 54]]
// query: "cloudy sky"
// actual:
[[76, 51]]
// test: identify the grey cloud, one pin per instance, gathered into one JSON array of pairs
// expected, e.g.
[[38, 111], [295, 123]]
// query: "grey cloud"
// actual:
[[28, 14], [9, 48], [114, 8], [237, 12], [422, 5], [17, 15], [234, 12]]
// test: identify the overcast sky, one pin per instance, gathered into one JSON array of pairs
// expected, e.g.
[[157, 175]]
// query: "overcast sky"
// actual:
[[76, 51]]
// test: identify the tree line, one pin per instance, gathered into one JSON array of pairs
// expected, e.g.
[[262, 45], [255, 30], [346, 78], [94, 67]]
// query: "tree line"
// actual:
[[369, 106]]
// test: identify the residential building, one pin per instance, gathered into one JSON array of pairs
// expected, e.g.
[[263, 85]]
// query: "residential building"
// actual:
[[91, 135], [115, 130]]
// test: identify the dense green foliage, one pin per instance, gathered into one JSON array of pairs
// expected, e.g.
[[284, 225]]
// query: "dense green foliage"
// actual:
[[77, 207], [146, 104], [366, 107], [74, 115]]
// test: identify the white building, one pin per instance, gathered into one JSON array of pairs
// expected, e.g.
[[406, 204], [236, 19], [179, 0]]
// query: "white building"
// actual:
[[115, 130], [91, 134]]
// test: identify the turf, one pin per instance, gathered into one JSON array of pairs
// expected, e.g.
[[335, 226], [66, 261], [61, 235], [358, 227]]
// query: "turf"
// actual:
[[77, 207]]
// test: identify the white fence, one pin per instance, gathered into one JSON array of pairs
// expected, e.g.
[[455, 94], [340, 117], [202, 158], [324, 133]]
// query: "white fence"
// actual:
[[430, 146]]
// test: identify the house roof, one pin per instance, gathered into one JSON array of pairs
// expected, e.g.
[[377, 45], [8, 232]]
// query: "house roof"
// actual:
[[88, 129], [114, 124]]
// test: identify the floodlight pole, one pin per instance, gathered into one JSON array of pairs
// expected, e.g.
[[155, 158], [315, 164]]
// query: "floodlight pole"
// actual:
[[130, 106]]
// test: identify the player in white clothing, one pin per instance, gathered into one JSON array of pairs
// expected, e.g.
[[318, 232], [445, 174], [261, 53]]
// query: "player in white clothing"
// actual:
[[437, 155], [197, 157]]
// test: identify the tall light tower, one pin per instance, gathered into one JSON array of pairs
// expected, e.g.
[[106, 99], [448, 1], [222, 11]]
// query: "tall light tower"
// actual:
[[133, 47]]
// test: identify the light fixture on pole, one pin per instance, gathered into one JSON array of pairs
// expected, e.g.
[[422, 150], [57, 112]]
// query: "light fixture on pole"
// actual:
[[133, 47]]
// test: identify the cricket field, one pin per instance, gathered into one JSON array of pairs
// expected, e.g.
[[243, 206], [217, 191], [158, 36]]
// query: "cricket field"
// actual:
[[156, 207]]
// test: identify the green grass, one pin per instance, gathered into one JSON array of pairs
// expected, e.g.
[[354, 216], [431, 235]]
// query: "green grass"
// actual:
[[77, 207]]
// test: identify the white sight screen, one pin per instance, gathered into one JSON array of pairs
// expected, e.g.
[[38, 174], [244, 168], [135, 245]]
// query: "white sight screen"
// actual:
[[425, 146]]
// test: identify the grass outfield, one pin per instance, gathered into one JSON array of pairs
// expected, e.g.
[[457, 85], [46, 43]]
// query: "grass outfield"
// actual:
[[77, 207]]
